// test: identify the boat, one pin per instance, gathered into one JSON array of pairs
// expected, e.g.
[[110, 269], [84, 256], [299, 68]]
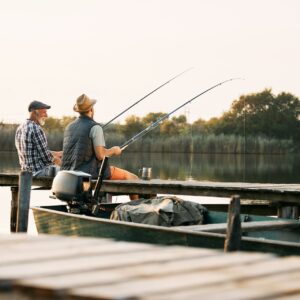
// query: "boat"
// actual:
[[260, 233], [83, 215]]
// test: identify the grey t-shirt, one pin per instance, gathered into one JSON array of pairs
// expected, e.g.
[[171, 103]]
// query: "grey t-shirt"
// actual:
[[96, 134]]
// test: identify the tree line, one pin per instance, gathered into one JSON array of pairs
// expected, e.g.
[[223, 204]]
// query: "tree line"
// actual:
[[258, 122]]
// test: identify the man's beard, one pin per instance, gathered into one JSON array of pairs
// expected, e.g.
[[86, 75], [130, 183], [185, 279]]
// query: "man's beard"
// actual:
[[42, 121]]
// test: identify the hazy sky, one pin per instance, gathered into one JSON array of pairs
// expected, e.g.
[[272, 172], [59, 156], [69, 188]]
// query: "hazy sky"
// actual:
[[119, 50]]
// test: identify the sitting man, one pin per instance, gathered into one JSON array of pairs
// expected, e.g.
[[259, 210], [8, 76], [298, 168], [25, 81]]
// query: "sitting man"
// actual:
[[84, 145], [32, 146]]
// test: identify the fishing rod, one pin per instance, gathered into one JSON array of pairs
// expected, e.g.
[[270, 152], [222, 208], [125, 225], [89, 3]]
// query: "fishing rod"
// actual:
[[100, 178], [162, 118], [135, 103]]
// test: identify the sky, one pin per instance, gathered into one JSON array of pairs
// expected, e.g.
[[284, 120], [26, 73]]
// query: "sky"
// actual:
[[118, 51]]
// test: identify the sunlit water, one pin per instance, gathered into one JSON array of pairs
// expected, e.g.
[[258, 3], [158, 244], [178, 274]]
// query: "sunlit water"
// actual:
[[222, 168], [37, 198]]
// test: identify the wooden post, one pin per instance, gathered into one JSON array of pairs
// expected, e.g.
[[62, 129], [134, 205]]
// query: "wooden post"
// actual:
[[233, 234], [288, 212], [14, 208], [25, 180]]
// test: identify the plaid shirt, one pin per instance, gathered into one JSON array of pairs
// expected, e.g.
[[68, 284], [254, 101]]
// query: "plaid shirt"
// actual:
[[31, 143]]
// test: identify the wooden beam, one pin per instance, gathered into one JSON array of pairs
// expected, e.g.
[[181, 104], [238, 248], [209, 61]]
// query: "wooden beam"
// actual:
[[13, 180], [288, 212], [245, 226], [251, 207], [289, 193], [14, 208], [233, 232], [24, 200], [276, 193]]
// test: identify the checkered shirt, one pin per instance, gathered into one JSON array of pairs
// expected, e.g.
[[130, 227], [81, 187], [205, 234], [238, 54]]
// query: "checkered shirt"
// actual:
[[31, 143]]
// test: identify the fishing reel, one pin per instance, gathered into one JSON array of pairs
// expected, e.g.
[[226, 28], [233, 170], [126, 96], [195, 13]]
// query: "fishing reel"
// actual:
[[75, 188]]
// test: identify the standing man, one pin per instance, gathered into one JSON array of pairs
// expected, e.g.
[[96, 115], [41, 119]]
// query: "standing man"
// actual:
[[32, 146], [84, 145]]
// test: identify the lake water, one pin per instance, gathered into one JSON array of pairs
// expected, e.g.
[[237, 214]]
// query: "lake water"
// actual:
[[217, 167], [212, 167]]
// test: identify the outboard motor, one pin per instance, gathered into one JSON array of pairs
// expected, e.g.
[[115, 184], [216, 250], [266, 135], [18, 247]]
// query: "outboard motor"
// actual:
[[75, 188]]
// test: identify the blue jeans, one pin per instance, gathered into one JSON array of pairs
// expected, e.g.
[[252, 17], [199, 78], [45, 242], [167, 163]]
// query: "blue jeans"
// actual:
[[48, 171]]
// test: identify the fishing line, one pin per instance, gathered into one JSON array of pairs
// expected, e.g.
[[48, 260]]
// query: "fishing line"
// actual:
[[162, 118], [244, 169], [191, 147], [135, 103]]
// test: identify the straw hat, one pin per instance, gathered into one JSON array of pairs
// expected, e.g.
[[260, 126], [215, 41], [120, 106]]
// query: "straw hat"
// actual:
[[83, 103]]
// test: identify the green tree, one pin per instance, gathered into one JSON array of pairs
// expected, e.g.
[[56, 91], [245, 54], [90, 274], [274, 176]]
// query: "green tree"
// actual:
[[262, 114], [181, 124], [133, 125], [201, 126], [168, 128], [152, 117], [66, 120], [56, 124], [175, 126]]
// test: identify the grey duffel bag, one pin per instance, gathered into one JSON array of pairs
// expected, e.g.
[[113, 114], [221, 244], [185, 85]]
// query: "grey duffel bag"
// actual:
[[163, 211]]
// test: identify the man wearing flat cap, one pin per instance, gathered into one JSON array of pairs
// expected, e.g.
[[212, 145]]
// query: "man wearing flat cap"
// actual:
[[84, 145], [32, 146]]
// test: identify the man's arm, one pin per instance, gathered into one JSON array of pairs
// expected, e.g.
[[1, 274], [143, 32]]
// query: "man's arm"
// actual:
[[96, 134], [101, 151]]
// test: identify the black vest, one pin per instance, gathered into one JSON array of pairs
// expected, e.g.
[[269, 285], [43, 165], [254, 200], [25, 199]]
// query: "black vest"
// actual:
[[78, 149]]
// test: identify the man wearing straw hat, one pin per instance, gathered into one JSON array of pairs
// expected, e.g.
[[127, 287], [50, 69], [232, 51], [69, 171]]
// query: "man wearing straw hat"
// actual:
[[84, 145], [32, 146]]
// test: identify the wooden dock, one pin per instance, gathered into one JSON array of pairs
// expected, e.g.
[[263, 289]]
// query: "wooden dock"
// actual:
[[56, 267], [256, 198], [276, 193]]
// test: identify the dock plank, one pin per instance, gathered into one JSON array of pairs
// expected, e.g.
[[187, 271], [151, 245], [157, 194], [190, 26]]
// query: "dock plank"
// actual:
[[271, 287], [151, 286], [107, 269], [65, 282], [288, 193], [289, 296], [67, 249], [91, 262]]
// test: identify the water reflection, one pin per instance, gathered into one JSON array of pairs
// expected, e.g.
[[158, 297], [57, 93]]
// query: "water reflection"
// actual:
[[9, 162], [211, 167], [216, 167]]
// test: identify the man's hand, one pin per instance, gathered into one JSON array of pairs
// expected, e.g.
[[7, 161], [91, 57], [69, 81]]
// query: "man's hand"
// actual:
[[57, 160], [101, 152], [57, 155], [116, 150]]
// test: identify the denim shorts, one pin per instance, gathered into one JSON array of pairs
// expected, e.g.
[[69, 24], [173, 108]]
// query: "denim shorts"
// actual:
[[48, 171]]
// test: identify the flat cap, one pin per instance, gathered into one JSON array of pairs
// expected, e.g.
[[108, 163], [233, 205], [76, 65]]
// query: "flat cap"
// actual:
[[37, 105]]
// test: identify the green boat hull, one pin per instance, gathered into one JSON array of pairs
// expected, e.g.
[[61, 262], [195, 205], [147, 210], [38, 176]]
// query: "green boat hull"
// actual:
[[56, 220]]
